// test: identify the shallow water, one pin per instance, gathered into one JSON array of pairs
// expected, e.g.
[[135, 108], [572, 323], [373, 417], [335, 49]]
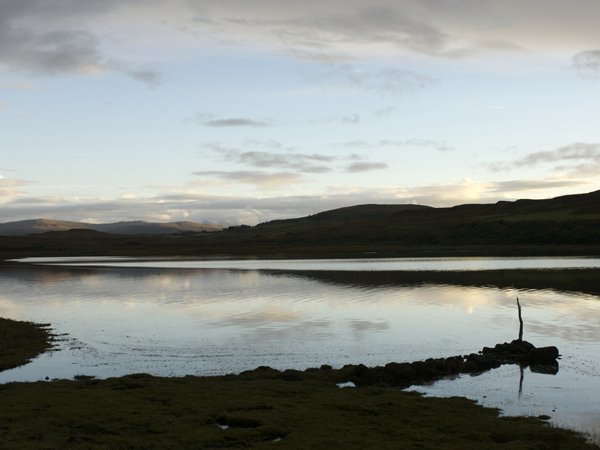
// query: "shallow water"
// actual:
[[165, 319]]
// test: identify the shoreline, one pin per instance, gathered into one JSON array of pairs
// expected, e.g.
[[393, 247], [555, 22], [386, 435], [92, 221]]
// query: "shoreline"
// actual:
[[264, 407], [20, 342]]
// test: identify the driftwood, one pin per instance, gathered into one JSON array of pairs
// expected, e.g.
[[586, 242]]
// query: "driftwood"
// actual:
[[520, 321]]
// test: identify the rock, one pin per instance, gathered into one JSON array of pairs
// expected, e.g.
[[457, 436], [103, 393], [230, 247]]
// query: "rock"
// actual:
[[547, 369], [543, 355]]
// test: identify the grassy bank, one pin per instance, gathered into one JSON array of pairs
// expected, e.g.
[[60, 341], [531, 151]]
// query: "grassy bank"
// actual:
[[255, 410], [21, 341]]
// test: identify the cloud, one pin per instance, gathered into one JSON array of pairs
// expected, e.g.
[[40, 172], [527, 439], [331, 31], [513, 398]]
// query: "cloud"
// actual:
[[282, 157], [386, 111], [578, 151], [256, 178], [352, 119], [335, 24], [400, 143], [308, 163], [149, 77], [9, 188], [44, 38], [365, 167], [436, 28], [191, 202], [235, 122], [587, 63], [534, 185], [578, 158], [209, 120], [388, 81], [319, 56], [66, 36]]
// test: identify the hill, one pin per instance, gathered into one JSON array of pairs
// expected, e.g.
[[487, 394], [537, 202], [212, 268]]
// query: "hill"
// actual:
[[572, 219], [567, 225], [23, 227]]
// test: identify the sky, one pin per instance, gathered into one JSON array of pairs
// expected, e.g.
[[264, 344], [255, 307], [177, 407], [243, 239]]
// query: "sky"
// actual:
[[239, 112]]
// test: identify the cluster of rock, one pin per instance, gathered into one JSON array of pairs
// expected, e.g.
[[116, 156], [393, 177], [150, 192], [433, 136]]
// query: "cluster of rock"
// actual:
[[542, 359]]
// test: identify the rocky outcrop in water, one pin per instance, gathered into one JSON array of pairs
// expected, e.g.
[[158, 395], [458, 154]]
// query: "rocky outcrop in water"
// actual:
[[539, 359]]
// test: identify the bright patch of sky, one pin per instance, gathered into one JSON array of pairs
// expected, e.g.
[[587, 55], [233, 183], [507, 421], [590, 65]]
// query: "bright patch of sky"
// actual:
[[222, 112]]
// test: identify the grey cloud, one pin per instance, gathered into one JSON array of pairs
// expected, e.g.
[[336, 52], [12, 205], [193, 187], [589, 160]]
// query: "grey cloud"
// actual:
[[52, 52], [317, 26], [389, 81], [45, 38], [297, 161], [235, 122], [385, 111], [437, 145], [587, 63], [149, 77], [280, 157], [532, 185], [64, 36], [256, 178], [352, 120], [579, 158], [209, 120], [319, 56], [365, 166], [578, 151], [386, 143]]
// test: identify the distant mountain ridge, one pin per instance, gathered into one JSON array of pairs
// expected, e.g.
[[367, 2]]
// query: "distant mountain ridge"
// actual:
[[566, 225], [35, 226]]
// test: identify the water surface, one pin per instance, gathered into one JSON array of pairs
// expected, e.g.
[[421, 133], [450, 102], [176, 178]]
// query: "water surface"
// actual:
[[214, 317]]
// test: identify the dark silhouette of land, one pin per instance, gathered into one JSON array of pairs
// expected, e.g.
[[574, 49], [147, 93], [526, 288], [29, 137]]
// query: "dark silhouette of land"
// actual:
[[567, 225], [23, 227]]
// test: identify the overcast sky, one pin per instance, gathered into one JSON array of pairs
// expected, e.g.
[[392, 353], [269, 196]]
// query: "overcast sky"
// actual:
[[242, 111]]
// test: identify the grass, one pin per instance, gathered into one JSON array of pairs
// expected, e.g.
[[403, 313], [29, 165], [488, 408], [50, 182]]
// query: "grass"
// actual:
[[22, 341], [263, 408]]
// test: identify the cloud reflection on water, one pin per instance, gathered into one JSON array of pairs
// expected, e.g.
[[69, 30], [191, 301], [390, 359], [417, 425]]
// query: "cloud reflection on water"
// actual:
[[301, 311]]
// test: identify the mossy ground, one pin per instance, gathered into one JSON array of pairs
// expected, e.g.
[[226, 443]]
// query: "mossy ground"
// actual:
[[263, 408], [21, 341]]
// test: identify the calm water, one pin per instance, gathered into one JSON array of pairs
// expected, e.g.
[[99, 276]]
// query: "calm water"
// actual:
[[215, 317]]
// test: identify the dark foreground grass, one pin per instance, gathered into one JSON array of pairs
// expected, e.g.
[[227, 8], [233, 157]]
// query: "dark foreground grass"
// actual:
[[21, 341], [263, 408], [261, 411]]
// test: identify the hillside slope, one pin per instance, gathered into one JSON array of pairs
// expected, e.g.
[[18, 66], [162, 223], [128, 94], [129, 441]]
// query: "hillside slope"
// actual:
[[568, 225], [23, 227]]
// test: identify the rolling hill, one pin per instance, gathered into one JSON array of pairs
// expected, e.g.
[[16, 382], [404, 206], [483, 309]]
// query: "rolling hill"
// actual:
[[567, 225], [132, 227]]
